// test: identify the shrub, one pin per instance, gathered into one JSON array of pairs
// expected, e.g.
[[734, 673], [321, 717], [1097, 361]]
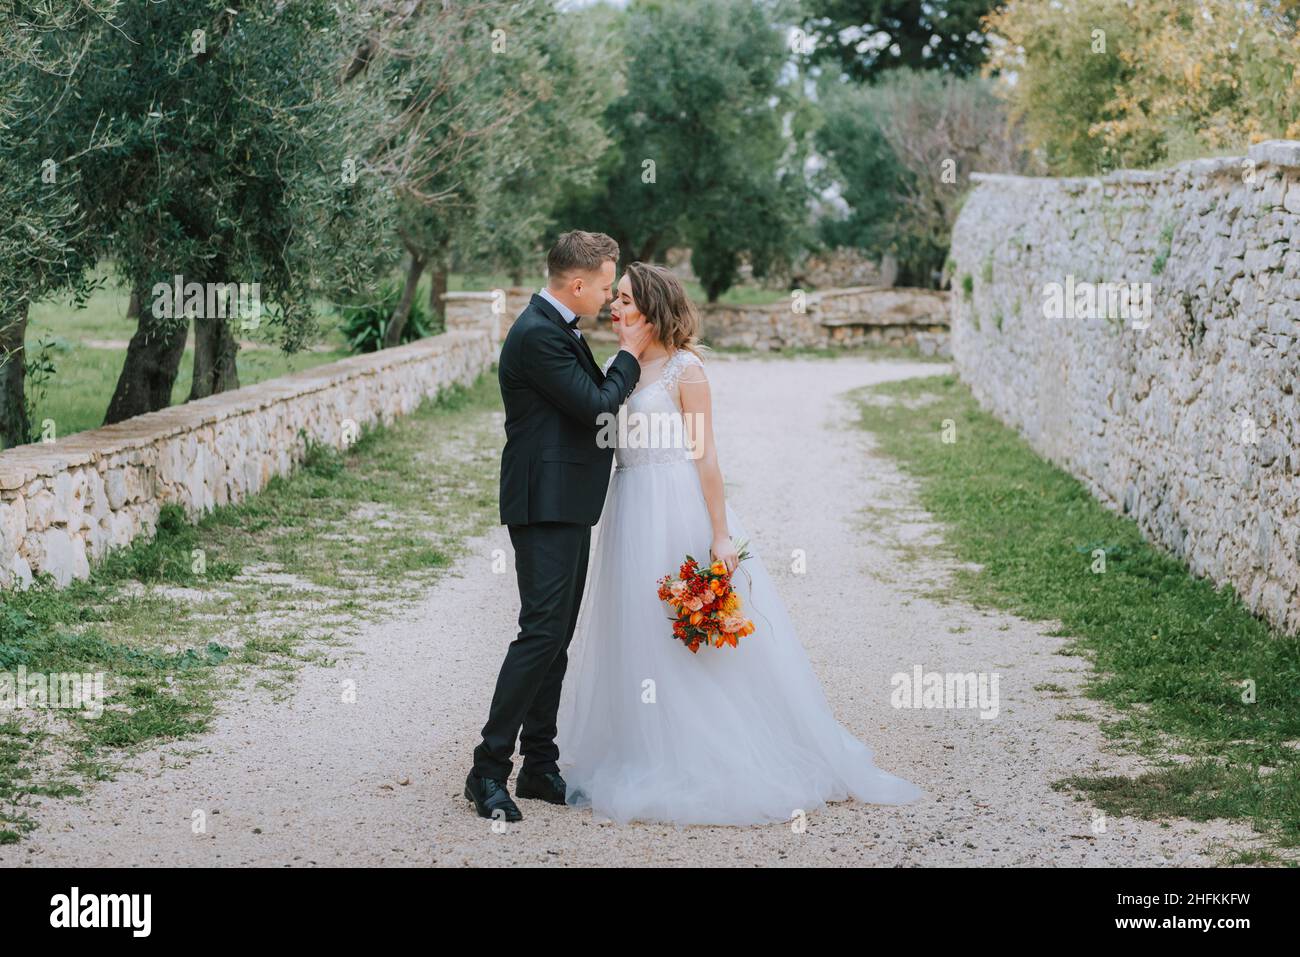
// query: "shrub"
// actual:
[[365, 322], [1102, 84], [901, 152]]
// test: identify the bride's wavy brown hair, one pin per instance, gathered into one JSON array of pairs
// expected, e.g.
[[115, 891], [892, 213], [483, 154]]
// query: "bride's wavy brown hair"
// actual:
[[661, 298]]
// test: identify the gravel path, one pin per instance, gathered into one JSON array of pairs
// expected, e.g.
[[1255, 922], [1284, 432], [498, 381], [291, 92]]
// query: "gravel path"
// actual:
[[321, 780]]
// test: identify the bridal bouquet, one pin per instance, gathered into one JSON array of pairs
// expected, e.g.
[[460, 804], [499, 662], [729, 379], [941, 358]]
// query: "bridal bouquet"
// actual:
[[706, 608]]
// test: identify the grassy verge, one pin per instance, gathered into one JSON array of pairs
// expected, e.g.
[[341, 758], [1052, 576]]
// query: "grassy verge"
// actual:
[[245, 596], [1172, 654], [77, 396], [86, 346]]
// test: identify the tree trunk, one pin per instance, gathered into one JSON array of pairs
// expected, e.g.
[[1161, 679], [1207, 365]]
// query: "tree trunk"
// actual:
[[437, 289], [648, 249], [215, 347], [153, 358], [397, 321], [14, 427]]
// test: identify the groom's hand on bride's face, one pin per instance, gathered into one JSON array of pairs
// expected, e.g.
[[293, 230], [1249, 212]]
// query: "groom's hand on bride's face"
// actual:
[[634, 337]]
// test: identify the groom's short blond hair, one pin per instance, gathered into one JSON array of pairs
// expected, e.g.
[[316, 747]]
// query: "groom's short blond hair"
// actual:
[[579, 250]]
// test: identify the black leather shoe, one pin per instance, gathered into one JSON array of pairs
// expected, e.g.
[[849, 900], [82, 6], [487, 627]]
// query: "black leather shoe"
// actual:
[[491, 798], [547, 786]]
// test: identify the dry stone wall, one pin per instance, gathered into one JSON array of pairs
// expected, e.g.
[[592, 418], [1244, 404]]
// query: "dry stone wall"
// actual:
[[64, 504], [1142, 330]]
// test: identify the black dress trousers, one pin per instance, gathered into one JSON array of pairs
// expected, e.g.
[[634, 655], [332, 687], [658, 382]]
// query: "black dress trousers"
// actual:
[[551, 566]]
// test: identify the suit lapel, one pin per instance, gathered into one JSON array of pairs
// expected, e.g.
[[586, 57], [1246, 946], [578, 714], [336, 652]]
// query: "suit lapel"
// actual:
[[579, 345], [587, 351]]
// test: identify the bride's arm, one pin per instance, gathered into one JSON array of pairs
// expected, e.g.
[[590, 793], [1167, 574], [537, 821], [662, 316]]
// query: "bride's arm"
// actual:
[[697, 410]]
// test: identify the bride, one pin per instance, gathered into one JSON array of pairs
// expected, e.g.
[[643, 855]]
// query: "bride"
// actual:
[[648, 731]]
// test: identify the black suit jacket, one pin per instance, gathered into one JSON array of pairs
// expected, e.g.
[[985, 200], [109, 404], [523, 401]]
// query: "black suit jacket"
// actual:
[[552, 469]]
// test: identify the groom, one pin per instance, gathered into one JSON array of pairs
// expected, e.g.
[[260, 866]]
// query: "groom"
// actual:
[[553, 482]]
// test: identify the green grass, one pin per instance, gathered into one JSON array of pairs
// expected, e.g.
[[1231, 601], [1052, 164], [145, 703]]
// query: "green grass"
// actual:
[[251, 591], [1170, 651], [1166, 247], [77, 395], [85, 376]]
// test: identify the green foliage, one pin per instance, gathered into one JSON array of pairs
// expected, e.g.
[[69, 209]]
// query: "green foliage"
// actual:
[[321, 460], [1063, 88], [40, 370], [226, 150], [869, 173], [44, 241], [566, 69], [700, 155], [1170, 651], [162, 648], [967, 286], [498, 111], [936, 35], [365, 323], [1102, 84], [1167, 245], [167, 557], [46, 244], [899, 154]]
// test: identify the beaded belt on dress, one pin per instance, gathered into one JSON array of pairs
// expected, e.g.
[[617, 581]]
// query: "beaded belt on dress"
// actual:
[[641, 465]]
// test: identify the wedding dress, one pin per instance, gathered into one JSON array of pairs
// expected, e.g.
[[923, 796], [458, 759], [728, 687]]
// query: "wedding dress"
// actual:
[[648, 731]]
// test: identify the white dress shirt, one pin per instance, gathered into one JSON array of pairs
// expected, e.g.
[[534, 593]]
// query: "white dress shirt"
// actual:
[[567, 314]]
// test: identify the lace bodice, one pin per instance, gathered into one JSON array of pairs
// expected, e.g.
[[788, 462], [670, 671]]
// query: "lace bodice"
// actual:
[[652, 429]]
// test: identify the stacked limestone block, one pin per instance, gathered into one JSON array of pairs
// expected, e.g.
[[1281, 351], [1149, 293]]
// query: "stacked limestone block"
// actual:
[[834, 317], [65, 504], [815, 320], [1186, 419]]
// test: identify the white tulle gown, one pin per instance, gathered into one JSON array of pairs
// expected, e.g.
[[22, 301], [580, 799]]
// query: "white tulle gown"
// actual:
[[648, 731]]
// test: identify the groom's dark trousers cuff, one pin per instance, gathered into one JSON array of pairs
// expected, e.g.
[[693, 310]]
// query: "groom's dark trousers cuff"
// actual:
[[551, 566]]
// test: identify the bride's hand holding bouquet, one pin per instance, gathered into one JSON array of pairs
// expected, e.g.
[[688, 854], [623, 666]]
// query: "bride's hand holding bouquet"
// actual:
[[707, 609]]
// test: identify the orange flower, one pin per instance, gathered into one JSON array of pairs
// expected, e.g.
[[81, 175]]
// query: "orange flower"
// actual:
[[705, 605]]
